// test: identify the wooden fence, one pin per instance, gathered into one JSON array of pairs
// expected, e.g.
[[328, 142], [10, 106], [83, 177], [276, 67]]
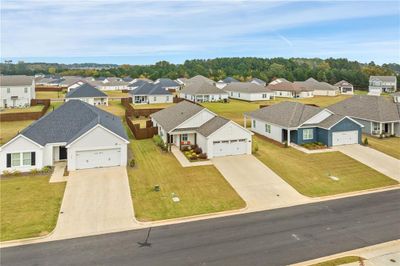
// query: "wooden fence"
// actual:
[[7, 117], [132, 112], [48, 88], [141, 133]]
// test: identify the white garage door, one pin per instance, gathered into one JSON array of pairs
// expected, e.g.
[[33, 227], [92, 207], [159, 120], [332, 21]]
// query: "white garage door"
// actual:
[[229, 147], [98, 158], [344, 137]]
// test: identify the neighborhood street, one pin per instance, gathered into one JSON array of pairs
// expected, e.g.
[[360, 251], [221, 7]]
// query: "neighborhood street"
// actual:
[[276, 237]]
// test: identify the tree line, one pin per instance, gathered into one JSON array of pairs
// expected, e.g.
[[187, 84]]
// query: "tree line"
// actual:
[[330, 70]]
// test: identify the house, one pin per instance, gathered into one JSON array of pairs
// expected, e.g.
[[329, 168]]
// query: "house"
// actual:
[[345, 87], [149, 93], [284, 88], [88, 94], [79, 133], [294, 122], [379, 84], [168, 84], [321, 88], [199, 89], [75, 85], [137, 83], [110, 83], [248, 91], [67, 81], [377, 114], [187, 123], [16, 91], [258, 81], [396, 97], [127, 79], [222, 83], [181, 81]]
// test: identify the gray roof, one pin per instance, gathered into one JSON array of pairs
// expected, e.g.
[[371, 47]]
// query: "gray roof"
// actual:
[[165, 83], [16, 80], [384, 78], [259, 81], [85, 90], [286, 114], [69, 80], [200, 78], [297, 86], [212, 125], [173, 116], [246, 87], [371, 108], [330, 121], [150, 89], [343, 83], [70, 121], [138, 83], [316, 85], [229, 80], [127, 79], [200, 86]]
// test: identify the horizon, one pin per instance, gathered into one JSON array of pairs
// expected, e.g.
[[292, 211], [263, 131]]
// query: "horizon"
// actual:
[[175, 31]]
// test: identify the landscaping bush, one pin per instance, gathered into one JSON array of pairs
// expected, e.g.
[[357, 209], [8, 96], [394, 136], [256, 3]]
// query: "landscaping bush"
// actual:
[[203, 156], [193, 157], [185, 148], [365, 142], [198, 150], [46, 169], [34, 171], [159, 142], [254, 148], [132, 162]]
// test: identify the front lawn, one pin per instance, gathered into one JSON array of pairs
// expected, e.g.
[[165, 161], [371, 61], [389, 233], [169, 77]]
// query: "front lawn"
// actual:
[[309, 173], [50, 94], [8, 130], [116, 94], [36, 108], [29, 206], [114, 107], [201, 189], [152, 106], [390, 146]]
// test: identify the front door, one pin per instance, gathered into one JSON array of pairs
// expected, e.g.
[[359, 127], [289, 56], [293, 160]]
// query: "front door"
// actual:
[[63, 153], [386, 128]]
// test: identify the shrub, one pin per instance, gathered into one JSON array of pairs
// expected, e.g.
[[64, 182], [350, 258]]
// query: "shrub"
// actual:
[[34, 171], [254, 147], [203, 156], [365, 142], [16, 172], [193, 157], [132, 162], [185, 148], [46, 169], [198, 150], [6, 172], [159, 142], [193, 146], [286, 144]]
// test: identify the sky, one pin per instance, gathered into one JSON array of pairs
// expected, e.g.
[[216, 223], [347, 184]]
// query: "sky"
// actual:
[[145, 32]]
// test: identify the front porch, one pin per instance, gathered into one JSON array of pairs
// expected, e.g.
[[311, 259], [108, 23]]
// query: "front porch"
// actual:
[[385, 129], [59, 153], [182, 139]]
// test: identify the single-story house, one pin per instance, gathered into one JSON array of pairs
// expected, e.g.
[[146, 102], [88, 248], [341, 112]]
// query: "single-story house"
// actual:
[[321, 88], [168, 84], [248, 91], [222, 83], [379, 84], [75, 85], [377, 114], [188, 124], [294, 122], [87, 93], [284, 88], [110, 83], [199, 89], [345, 87], [149, 93], [67, 81], [16, 90], [258, 81], [396, 97], [137, 83], [79, 133]]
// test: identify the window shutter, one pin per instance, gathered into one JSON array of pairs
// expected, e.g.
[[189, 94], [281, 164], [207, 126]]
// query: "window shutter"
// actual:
[[8, 159], [33, 158]]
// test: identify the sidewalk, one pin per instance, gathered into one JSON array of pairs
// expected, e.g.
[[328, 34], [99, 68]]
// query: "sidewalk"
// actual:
[[184, 161], [58, 173]]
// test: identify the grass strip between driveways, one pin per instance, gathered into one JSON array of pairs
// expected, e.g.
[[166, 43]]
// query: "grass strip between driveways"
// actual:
[[339, 261], [309, 173], [29, 206], [389, 146], [201, 189]]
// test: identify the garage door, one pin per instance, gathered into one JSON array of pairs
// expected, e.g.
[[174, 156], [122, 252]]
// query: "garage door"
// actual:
[[344, 137], [98, 158], [229, 147]]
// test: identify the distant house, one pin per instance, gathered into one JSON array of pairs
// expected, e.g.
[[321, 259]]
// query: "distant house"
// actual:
[[137, 83], [222, 83], [67, 81], [345, 87], [181, 81], [75, 85], [379, 84], [321, 88], [168, 84], [16, 91], [284, 88], [150, 93], [201, 89], [186, 124], [81, 134], [378, 114], [248, 91], [258, 81], [88, 94], [110, 83], [127, 79], [293, 122]]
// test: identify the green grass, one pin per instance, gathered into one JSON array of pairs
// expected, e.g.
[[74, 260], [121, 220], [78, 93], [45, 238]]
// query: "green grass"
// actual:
[[339, 261], [201, 189], [29, 206], [116, 93], [309, 173], [50, 94], [390, 146], [235, 108], [153, 105], [359, 92], [8, 130], [36, 108], [114, 107]]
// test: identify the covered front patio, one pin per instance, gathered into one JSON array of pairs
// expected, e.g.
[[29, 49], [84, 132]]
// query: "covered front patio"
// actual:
[[379, 128], [182, 138]]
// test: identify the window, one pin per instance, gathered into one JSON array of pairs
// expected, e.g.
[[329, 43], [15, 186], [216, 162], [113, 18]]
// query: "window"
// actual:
[[267, 128], [8, 90], [376, 126], [167, 98], [254, 123], [231, 93], [239, 94], [26, 158], [25, 90], [15, 159], [264, 95], [308, 134], [184, 137], [155, 98]]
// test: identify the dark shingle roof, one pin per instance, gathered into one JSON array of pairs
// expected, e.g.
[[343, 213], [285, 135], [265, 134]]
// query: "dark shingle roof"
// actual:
[[150, 89], [375, 108], [246, 87], [16, 80], [138, 83], [343, 83], [85, 90], [165, 83], [70, 121], [212, 125], [173, 116], [229, 80]]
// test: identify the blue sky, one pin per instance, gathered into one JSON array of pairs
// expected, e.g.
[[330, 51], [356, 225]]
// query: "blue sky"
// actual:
[[144, 32]]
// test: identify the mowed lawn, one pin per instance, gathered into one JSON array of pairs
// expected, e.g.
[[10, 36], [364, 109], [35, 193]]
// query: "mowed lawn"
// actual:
[[235, 108], [116, 94], [115, 107], [309, 173], [29, 206], [201, 189], [152, 106], [8, 130], [36, 108], [49, 94], [390, 146]]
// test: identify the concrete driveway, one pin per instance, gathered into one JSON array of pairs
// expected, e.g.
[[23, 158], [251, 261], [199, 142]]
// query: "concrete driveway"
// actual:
[[258, 185], [377, 160], [95, 201]]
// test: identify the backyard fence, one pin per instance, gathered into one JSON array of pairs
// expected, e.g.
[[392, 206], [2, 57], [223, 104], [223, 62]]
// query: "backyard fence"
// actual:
[[141, 133], [48, 88], [7, 117]]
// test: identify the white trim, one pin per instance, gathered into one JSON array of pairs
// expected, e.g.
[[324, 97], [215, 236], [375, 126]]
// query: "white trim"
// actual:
[[305, 122], [191, 118], [230, 121], [347, 118], [17, 136]]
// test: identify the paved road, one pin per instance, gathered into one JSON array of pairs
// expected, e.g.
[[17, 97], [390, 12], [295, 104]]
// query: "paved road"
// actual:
[[276, 237]]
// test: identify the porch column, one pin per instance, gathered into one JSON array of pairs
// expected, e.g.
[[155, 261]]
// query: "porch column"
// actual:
[[288, 137], [180, 144], [380, 128], [392, 129], [245, 122]]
